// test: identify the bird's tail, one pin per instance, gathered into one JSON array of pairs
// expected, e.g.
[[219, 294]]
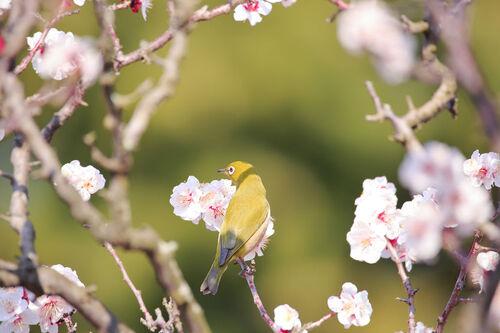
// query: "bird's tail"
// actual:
[[211, 283]]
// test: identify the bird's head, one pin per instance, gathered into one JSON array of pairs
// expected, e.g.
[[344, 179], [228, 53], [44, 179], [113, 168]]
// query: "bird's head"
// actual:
[[237, 170]]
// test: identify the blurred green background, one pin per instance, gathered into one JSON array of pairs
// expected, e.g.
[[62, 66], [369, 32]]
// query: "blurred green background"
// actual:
[[285, 96]]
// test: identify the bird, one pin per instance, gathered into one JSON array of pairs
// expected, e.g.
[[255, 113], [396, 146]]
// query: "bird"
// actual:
[[245, 222]]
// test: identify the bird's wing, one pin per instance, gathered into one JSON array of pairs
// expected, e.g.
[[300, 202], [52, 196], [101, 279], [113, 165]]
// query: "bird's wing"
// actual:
[[245, 214]]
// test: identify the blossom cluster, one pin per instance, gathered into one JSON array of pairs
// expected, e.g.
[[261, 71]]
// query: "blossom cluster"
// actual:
[[19, 309], [194, 201], [86, 180], [253, 10], [370, 26], [62, 54], [486, 263], [448, 197], [352, 308]]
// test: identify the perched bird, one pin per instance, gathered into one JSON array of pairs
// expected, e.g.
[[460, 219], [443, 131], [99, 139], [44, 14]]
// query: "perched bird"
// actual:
[[247, 218]]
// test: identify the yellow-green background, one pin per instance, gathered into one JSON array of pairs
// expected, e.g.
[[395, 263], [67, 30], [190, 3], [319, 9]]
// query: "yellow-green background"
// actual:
[[285, 96]]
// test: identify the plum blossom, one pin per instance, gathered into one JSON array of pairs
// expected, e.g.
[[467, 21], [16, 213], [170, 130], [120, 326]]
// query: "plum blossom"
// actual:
[[439, 166], [252, 10], [13, 301], [286, 318], [5, 5], [86, 180], [21, 322], [214, 201], [422, 229], [288, 3], [69, 273], [2, 132], [370, 26], [352, 307], [367, 241], [79, 2], [52, 309], [421, 328], [143, 6], [377, 204], [62, 54], [483, 169], [259, 249], [488, 260], [185, 199], [486, 263]]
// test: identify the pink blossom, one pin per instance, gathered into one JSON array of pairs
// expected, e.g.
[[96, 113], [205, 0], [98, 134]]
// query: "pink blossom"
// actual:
[[483, 169]]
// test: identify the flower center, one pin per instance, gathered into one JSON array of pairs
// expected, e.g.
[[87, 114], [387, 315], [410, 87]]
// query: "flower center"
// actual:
[[482, 172], [251, 6]]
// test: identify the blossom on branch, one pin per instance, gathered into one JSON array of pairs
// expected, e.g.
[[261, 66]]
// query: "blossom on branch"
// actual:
[[79, 2], [53, 309], [62, 54], [367, 241], [214, 201], [252, 10], [286, 318], [421, 328], [352, 307], [86, 180], [439, 166], [142, 5], [13, 301], [486, 262], [483, 169], [370, 26], [21, 322]]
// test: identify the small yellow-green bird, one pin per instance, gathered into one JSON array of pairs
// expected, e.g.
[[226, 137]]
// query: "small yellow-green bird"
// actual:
[[245, 222]]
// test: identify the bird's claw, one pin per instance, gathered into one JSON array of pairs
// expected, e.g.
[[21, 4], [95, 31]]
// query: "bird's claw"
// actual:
[[247, 269]]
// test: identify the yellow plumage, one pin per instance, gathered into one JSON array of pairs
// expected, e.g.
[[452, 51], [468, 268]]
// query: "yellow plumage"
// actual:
[[244, 225]]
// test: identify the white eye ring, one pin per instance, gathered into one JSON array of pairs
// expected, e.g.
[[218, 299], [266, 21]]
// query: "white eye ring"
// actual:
[[230, 170]]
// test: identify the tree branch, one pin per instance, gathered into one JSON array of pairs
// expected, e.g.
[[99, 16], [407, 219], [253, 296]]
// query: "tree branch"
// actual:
[[410, 292], [455, 298], [248, 274], [51, 282]]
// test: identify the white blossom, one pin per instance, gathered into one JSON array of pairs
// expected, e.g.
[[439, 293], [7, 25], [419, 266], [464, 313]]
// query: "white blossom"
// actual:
[[483, 169], [2, 132], [288, 3], [52, 309], [62, 54], [185, 199], [439, 166], [69, 273], [367, 241], [422, 229], [214, 201], [13, 301], [5, 4], [352, 307], [286, 318], [488, 260], [86, 180], [21, 322], [370, 26], [252, 10], [421, 328], [79, 2]]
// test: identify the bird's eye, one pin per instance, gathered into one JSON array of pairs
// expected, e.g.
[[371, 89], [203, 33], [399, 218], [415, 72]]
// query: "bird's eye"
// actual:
[[230, 170]]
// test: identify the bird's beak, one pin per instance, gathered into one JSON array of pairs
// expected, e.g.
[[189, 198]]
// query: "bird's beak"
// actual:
[[223, 170]]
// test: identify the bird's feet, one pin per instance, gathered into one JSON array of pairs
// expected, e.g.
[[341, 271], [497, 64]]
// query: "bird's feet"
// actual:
[[246, 268]]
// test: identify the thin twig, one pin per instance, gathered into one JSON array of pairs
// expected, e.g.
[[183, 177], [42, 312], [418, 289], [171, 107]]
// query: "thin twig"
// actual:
[[248, 274], [455, 299], [137, 293], [410, 292], [317, 323]]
